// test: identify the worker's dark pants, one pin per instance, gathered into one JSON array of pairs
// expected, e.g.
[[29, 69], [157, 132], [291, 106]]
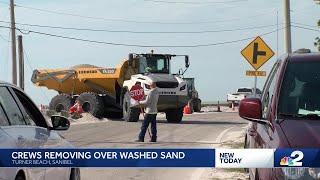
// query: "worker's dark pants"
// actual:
[[149, 118]]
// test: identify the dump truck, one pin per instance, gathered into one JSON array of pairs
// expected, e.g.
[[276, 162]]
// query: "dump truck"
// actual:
[[194, 100], [104, 91]]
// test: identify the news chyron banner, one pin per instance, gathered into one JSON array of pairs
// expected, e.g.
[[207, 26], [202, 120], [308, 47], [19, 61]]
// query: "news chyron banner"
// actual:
[[107, 157], [205, 158]]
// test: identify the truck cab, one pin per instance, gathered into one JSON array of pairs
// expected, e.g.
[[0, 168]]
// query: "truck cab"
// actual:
[[242, 93], [155, 68]]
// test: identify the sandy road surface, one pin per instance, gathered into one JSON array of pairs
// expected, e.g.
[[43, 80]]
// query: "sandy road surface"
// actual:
[[197, 130]]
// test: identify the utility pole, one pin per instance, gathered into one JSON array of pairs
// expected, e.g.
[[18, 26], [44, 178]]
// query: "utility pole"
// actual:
[[287, 23], [21, 62], [13, 43]]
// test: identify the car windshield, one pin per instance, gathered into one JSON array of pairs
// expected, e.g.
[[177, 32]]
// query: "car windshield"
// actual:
[[300, 91], [154, 64]]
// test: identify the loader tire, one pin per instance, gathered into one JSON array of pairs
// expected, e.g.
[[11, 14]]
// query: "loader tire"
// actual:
[[190, 102], [174, 115], [129, 114], [61, 102], [197, 105], [91, 103]]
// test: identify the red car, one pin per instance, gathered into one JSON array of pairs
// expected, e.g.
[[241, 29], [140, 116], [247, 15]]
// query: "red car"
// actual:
[[288, 113]]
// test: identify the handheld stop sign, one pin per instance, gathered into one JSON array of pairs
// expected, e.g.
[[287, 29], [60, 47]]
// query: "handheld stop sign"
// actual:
[[137, 92]]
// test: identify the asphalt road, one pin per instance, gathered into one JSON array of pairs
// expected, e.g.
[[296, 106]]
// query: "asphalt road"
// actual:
[[197, 130]]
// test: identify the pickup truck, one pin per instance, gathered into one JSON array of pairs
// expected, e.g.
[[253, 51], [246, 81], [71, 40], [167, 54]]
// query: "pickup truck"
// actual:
[[241, 93]]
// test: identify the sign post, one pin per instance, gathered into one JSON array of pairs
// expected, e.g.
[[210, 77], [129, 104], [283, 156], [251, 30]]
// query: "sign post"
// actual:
[[255, 86], [257, 53]]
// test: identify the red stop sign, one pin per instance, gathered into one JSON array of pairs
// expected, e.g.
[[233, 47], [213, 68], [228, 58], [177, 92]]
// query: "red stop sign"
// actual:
[[137, 92]]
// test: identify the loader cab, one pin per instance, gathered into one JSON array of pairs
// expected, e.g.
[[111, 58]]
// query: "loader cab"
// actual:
[[154, 64]]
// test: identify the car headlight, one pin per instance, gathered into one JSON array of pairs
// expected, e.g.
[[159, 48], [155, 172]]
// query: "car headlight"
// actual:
[[293, 173], [183, 87], [314, 173]]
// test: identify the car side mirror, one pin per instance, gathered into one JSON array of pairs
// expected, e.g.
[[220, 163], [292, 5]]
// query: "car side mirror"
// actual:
[[60, 123], [251, 109], [187, 63], [130, 59]]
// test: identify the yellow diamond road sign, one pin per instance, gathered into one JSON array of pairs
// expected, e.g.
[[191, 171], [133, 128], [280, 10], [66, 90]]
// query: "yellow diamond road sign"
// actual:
[[257, 53]]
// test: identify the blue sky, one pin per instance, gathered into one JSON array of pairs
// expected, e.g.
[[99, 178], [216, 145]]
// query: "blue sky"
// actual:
[[218, 69]]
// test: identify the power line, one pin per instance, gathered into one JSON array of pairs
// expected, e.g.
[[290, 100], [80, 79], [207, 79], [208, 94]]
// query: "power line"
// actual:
[[306, 28], [26, 31], [194, 2], [139, 45], [139, 22], [31, 69], [301, 24], [144, 32], [143, 22], [3, 38]]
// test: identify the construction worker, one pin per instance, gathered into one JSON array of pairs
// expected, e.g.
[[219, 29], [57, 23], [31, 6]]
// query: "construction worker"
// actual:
[[150, 104]]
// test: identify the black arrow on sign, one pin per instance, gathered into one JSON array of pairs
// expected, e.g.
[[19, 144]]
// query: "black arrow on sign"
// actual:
[[257, 53]]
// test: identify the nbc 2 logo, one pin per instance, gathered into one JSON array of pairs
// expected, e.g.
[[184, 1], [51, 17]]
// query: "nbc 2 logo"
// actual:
[[294, 159]]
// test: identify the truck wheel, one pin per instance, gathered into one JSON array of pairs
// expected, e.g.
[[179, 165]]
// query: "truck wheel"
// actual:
[[92, 104], [129, 114], [174, 115], [61, 102], [197, 105]]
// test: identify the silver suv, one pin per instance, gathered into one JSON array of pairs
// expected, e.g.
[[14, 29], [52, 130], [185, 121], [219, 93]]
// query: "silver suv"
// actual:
[[22, 125]]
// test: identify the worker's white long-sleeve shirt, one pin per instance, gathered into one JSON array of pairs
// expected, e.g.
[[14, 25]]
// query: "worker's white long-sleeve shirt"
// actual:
[[151, 101]]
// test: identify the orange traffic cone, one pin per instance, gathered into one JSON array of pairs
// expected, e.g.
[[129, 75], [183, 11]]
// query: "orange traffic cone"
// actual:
[[187, 109]]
